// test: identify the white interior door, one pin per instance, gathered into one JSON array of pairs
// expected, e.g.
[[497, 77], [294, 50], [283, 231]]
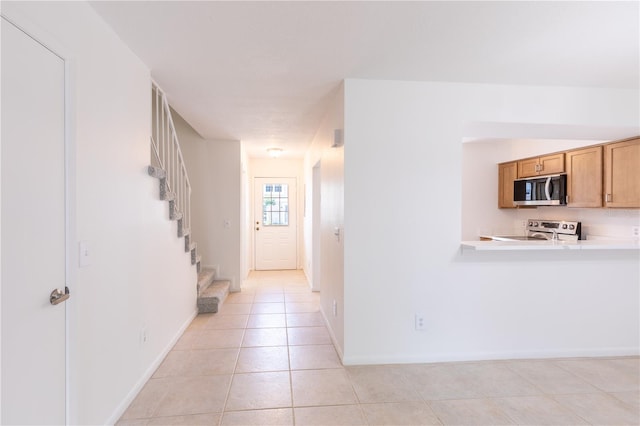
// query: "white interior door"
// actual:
[[33, 231], [275, 225]]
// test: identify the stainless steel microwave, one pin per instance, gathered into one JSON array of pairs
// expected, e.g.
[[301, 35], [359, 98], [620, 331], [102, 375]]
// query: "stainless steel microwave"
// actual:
[[540, 191]]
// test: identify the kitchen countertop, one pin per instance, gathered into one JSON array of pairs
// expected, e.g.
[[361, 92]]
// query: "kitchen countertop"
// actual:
[[551, 245]]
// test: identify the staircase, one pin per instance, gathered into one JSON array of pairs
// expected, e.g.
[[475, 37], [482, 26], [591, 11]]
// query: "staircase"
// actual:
[[211, 292], [167, 165]]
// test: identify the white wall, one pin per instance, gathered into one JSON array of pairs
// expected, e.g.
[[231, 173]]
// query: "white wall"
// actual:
[[139, 275], [403, 182], [332, 252], [278, 167], [246, 227], [215, 174]]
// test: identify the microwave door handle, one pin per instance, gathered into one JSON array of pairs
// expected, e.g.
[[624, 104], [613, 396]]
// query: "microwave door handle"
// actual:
[[547, 187]]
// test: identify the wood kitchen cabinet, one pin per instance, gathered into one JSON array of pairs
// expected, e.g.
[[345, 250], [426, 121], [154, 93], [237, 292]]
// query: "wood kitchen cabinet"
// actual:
[[599, 175], [584, 177], [622, 174], [507, 173], [547, 165]]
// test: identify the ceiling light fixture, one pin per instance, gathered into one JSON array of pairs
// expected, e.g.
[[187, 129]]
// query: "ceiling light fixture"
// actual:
[[274, 152]]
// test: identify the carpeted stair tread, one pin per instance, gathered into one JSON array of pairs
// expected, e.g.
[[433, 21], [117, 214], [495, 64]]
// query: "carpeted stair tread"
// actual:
[[205, 278], [183, 232], [156, 172], [213, 296]]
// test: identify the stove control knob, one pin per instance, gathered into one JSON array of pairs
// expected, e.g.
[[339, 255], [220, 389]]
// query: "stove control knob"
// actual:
[[571, 226], [564, 226], [535, 223], [530, 223]]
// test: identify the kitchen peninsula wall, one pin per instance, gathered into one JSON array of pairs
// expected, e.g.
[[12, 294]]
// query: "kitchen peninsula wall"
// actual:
[[480, 214]]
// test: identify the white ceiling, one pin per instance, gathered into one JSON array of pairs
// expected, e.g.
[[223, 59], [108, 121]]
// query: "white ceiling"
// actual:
[[262, 72]]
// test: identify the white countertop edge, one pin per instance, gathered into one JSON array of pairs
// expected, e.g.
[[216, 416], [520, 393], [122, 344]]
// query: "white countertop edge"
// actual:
[[551, 245], [610, 245]]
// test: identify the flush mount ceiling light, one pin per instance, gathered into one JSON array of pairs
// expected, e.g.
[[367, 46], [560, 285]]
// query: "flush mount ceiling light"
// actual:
[[274, 152]]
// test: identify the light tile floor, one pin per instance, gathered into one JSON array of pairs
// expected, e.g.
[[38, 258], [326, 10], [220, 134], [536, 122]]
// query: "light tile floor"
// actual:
[[267, 359]]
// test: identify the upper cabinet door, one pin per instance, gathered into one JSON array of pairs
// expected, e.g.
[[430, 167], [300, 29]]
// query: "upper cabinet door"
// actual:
[[584, 177], [552, 164], [622, 174], [539, 166], [528, 168], [506, 176]]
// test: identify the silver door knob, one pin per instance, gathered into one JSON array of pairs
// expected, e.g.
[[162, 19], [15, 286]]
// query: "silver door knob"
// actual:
[[57, 296]]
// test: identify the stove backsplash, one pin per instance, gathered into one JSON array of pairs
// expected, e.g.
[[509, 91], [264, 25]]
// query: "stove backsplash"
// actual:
[[596, 223]]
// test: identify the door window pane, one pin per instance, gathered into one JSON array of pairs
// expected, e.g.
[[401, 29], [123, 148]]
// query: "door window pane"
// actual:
[[275, 204]]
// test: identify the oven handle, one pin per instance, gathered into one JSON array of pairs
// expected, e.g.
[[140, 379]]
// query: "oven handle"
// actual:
[[547, 186]]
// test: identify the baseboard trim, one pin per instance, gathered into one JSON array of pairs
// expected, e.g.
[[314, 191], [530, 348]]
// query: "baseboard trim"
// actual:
[[332, 336], [122, 407], [490, 356], [309, 280]]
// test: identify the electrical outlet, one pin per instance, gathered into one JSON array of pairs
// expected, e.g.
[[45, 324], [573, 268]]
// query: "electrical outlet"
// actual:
[[143, 335], [84, 258], [335, 308], [420, 322], [635, 231]]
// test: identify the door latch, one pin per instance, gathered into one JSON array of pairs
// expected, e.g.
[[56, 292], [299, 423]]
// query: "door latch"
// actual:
[[57, 296]]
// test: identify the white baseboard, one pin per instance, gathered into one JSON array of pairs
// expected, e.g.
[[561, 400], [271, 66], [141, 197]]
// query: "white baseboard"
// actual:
[[490, 356], [332, 336], [122, 407], [306, 275]]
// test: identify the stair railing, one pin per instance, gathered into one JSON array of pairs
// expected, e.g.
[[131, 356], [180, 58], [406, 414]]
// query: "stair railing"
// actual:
[[167, 154]]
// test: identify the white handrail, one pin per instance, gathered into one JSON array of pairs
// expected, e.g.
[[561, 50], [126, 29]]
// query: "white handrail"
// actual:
[[168, 155]]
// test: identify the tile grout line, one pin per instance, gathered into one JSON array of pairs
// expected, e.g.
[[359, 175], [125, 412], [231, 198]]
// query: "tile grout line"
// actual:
[[493, 400], [538, 388], [551, 396], [235, 367], [564, 368], [355, 394], [286, 331]]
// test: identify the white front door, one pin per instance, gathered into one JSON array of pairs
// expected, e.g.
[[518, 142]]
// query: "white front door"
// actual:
[[33, 231], [275, 226]]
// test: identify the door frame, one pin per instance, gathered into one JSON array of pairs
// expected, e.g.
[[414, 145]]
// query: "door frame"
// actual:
[[44, 38], [316, 202], [255, 210]]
